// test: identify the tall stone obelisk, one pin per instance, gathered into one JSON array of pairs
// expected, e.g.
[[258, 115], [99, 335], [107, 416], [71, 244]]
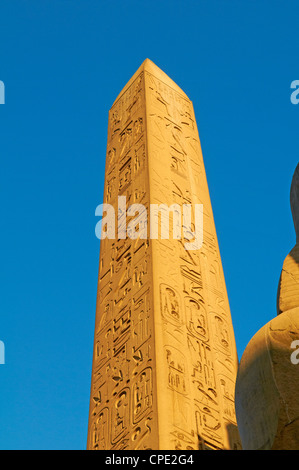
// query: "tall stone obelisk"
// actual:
[[165, 360]]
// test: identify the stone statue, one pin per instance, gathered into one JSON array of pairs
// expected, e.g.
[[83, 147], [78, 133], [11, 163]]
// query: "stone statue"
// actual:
[[266, 394]]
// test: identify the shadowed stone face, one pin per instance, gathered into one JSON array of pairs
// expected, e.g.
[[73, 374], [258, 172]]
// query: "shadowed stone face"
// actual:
[[294, 197], [267, 405]]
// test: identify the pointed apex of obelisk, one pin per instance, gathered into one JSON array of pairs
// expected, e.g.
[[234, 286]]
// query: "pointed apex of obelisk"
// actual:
[[150, 67]]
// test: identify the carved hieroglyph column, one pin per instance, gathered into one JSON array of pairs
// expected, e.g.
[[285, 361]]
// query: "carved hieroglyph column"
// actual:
[[165, 359]]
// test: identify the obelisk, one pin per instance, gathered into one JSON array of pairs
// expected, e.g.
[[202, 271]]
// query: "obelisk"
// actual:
[[165, 360]]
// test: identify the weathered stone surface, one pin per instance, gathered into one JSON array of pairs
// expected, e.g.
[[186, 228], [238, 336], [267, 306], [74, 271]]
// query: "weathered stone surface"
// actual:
[[294, 196], [288, 289], [267, 404], [165, 360], [266, 394]]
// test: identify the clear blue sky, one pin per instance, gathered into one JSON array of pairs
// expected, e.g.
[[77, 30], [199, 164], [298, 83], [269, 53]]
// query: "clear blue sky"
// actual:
[[63, 63]]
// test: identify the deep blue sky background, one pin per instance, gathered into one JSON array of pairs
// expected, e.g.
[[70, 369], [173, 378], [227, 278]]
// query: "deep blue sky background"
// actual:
[[63, 64]]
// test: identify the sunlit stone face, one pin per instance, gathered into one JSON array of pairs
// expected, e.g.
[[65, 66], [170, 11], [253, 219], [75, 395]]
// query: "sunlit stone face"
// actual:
[[165, 358], [295, 199]]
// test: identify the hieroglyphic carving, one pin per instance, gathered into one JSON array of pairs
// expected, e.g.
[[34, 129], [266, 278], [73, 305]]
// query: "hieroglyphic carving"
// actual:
[[122, 377], [197, 329], [164, 354], [170, 305]]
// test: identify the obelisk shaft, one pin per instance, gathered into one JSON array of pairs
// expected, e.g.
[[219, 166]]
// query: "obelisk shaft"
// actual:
[[165, 359]]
